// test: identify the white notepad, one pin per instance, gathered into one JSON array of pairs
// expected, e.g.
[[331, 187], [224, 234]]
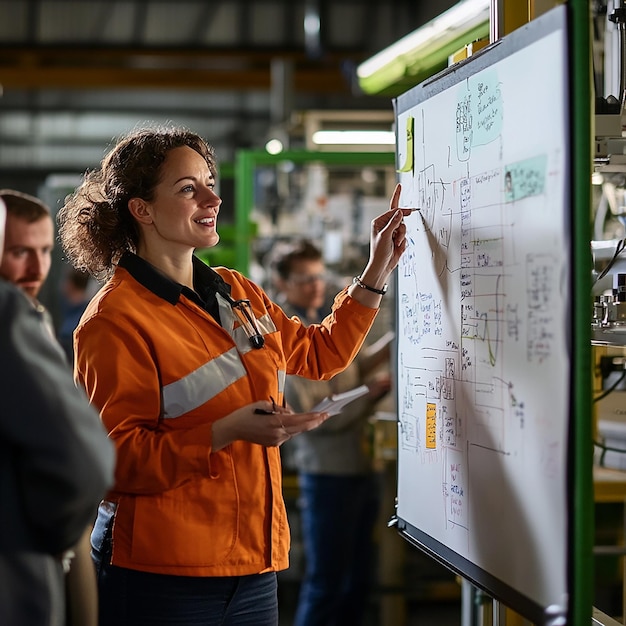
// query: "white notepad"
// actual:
[[334, 403]]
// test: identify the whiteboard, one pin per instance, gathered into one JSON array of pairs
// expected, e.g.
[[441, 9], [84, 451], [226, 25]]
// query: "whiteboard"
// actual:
[[483, 319]]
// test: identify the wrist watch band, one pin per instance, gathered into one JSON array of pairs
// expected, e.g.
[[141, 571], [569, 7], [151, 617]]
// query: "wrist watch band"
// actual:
[[381, 292]]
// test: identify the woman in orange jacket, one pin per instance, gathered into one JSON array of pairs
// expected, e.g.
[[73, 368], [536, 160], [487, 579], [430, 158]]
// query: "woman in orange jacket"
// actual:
[[187, 364]]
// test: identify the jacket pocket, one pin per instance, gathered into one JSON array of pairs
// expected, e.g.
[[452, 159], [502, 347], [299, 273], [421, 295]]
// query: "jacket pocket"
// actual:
[[194, 525]]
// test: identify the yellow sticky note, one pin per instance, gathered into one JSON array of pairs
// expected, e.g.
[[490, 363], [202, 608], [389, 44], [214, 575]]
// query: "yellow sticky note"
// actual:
[[408, 163], [431, 425]]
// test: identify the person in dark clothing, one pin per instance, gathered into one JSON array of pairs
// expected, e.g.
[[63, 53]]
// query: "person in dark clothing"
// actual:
[[75, 298], [55, 463], [337, 475]]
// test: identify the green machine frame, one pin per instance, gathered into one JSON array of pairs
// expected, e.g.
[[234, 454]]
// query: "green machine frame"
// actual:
[[247, 160], [581, 450]]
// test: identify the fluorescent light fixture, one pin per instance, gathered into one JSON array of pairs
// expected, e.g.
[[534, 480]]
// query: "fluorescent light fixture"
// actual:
[[312, 23], [354, 137], [460, 15], [466, 18]]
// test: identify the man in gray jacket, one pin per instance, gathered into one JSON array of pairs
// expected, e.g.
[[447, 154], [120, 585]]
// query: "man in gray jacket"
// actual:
[[338, 482], [56, 463]]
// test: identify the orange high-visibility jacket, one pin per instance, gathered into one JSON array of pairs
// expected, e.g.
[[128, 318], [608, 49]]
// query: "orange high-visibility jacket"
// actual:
[[162, 370]]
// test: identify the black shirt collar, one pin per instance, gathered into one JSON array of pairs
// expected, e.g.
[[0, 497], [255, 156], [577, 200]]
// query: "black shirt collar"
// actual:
[[206, 281]]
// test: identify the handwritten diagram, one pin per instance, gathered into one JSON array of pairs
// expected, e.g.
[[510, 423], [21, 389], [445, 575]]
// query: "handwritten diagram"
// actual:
[[482, 318]]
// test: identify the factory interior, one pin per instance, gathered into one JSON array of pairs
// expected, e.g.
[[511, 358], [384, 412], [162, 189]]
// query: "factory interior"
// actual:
[[271, 85]]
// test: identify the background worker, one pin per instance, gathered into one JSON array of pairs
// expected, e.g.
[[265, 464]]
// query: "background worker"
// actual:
[[29, 241], [339, 486], [55, 463], [76, 292]]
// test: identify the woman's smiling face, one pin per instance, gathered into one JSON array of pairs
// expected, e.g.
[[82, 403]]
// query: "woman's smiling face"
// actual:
[[183, 212]]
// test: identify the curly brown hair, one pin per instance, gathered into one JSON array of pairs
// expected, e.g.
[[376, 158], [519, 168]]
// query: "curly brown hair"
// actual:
[[95, 225]]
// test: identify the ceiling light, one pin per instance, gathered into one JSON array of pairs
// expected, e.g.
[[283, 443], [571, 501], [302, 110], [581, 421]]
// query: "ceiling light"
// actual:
[[274, 146], [354, 137]]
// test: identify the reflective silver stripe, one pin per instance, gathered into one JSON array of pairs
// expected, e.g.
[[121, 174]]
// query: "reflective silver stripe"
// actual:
[[201, 385], [266, 324], [227, 317], [241, 340], [282, 376]]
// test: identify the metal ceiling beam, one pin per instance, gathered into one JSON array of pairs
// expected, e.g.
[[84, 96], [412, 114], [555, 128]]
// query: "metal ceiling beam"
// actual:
[[233, 70], [77, 52], [305, 81]]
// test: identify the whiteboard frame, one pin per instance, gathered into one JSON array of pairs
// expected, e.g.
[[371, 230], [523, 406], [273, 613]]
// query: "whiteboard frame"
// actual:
[[578, 471]]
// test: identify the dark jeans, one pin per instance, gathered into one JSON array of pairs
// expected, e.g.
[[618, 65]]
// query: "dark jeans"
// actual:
[[338, 517], [132, 598]]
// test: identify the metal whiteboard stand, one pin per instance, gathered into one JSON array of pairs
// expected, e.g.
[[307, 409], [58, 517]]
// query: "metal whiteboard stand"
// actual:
[[473, 606], [469, 604], [499, 613]]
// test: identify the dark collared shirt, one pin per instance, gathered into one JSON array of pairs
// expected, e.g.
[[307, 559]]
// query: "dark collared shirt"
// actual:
[[206, 282]]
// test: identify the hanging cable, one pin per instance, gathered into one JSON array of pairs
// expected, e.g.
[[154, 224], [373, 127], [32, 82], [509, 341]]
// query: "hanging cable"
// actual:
[[619, 248]]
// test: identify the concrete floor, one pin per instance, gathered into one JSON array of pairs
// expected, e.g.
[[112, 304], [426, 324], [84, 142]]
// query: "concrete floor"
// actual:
[[426, 614], [385, 611]]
